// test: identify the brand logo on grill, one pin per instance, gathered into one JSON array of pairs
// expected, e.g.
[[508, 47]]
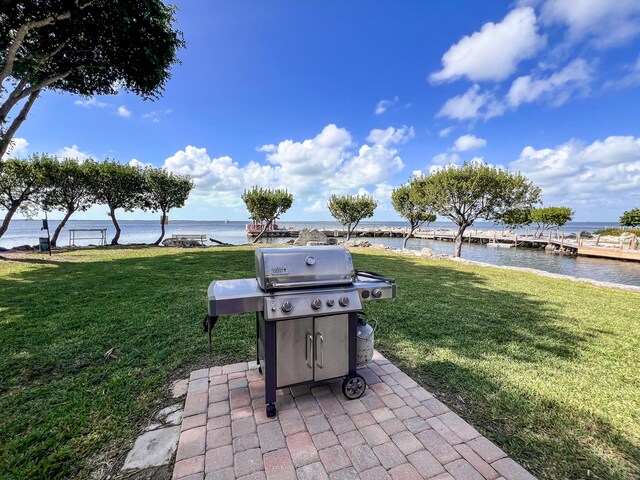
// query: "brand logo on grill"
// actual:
[[279, 271]]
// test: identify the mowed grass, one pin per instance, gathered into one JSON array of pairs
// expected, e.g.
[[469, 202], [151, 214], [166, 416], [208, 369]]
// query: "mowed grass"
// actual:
[[548, 369]]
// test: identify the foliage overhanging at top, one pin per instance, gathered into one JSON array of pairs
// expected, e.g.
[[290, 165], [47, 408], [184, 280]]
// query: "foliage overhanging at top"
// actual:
[[86, 47]]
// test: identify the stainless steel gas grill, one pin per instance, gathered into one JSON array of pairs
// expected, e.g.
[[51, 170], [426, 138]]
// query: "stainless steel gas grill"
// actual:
[[307, 302]]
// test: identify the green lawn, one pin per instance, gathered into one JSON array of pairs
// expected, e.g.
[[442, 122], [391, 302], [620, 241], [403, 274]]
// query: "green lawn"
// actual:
[[547, 369]]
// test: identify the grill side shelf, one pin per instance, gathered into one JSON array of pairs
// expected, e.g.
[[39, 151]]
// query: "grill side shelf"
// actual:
[[235, 296]]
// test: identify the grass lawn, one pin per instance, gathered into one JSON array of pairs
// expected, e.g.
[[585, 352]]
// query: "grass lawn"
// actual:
[[548, 369]]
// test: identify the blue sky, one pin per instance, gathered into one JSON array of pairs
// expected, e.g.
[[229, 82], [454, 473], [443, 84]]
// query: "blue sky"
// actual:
[[347, 97]]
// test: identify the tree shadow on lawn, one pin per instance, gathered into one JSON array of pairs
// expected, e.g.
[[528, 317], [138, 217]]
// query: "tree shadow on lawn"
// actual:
[[61, 400], [550, 439], [455, 313]]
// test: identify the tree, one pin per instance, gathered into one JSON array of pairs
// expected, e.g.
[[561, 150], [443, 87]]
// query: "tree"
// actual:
[[22, 182], [474, 190], [266, 206], [117, 186], [550, 218], [630, 218], [350, 209], [85, 47], [164, 191], [415, 213], [70, 190], [516, 217]]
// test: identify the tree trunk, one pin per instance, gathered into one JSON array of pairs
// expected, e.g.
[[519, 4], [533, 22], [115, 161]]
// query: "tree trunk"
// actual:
[[10, 213], [349, 230], [164, 215], [15, 124], [457, 250], [116, 237], [407, 237], [56, 234], [266, 227]]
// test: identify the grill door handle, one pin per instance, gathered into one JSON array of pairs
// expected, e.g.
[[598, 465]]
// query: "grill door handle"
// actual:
[[308, 340], [321, 349]]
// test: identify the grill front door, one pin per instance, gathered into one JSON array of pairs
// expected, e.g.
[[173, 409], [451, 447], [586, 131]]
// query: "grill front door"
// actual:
[[331, 334], [294, 344]]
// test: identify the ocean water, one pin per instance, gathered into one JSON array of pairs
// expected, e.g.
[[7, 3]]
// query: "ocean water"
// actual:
[[23, 232]]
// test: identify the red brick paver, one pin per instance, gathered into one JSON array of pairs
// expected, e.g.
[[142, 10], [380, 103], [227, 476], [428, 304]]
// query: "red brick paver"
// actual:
[[396, 430]]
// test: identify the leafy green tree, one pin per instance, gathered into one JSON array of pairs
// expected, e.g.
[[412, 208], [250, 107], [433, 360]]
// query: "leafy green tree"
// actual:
[[22, 183], [117, 186], [266, 205], [474, 190], [548, 218], [630, 218], [516, 217], [349, 210], [85, 47], [415, 213], [164, 191], [70, 190]]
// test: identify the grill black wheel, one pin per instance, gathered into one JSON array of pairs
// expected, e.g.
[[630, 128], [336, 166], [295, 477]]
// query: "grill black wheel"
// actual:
[[271, 410], [353, 387]]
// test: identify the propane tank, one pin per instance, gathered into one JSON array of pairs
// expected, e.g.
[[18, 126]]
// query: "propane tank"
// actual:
[[364, 350]]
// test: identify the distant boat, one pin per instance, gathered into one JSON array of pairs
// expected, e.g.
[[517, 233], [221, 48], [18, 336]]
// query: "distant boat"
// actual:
[[500, 245], [226, 221]]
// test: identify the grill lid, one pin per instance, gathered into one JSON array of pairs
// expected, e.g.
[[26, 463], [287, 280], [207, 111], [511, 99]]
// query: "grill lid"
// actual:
[[297, 267]]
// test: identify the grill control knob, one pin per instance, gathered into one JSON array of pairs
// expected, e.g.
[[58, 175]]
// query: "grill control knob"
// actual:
[[377, 293], [286, 306], [344, 301], [331, 302], [365, 293], [316, 304]]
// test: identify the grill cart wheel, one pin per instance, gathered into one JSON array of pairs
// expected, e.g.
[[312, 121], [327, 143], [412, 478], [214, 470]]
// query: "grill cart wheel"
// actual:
[[353, 387], [271, 410]]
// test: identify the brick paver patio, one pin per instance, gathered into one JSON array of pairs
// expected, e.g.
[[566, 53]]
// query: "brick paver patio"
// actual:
[[395, 430]]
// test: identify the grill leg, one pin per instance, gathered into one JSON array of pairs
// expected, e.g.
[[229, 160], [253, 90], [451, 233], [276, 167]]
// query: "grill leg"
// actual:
[[270, 367], [353, 342]]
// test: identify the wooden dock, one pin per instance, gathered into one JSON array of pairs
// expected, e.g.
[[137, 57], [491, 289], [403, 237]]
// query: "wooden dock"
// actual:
[[563, 244]]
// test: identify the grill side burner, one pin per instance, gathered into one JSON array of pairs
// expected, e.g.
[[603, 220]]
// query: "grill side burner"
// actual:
[[306, 302]]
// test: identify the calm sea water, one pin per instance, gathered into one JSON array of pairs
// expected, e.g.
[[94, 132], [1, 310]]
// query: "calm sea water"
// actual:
[[23, 232]]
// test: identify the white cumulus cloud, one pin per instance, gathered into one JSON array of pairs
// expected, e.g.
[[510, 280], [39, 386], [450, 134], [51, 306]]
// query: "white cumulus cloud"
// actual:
[[18, 148], [602, 176], [468, 142], [312, 169], [555, 89], [383, 105], [91, 102], [124, 112], [495, 51], [471, 105], [608, 22], [73, 152]]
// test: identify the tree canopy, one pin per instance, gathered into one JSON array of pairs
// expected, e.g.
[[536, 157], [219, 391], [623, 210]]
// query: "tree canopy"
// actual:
[[408, 208], [630, 218], [22, 183], [266, 205], [69, 190], [349, 210], [164, 191], [471, 191], [86, 47], [550, 217], [117, 186], [516, 217]]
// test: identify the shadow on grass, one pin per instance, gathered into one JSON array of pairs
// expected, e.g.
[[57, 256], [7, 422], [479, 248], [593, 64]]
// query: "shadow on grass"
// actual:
[[62, 402], [455, 313]]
